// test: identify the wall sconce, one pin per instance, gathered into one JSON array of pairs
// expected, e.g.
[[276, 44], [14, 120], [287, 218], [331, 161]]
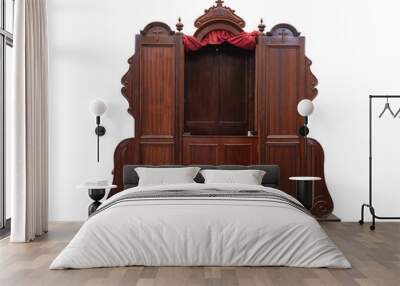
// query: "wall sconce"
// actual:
[[305, 108], [97, 107]]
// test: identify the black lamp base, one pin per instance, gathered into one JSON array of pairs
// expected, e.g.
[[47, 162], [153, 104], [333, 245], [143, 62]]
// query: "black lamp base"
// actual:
[[100, 130], [303, 131]]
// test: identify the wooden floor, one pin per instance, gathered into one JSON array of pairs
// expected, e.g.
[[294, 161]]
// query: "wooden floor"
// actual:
[[375, 257]]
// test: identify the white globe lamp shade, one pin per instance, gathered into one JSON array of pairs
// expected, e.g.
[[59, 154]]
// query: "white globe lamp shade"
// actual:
[[305, 107], [97, 107]]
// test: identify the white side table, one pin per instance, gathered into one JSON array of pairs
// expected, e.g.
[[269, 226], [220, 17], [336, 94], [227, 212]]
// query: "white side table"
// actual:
[[96, 193], [305, 190]]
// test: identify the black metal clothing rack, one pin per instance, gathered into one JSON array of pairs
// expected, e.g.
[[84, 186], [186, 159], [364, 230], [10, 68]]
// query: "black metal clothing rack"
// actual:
[[370, 205]]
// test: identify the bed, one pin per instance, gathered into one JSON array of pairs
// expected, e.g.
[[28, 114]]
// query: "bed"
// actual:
[[198, 224]]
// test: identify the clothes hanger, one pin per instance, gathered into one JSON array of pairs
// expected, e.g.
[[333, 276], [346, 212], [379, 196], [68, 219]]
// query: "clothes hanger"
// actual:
[[387, 107], [397, 113]]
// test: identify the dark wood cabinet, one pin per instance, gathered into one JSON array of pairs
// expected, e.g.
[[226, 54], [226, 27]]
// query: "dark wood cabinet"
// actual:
[[197, 107]]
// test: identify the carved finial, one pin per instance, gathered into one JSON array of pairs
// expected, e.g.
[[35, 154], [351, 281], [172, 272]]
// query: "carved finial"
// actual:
[[179, 25], [219, 3], [261, 26]]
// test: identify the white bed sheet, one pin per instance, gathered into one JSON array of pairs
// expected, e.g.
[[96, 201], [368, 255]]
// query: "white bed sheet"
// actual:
[[202, 232]]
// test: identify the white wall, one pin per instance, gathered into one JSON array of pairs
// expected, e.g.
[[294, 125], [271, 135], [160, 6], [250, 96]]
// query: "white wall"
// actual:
[[355, 51]]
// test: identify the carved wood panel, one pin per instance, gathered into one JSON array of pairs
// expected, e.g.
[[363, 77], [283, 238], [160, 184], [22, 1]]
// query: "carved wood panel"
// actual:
[[219, 150], [201, 101], [156, 153], [282, 90], [200, 154], [157, 82], [219, 87], [233, 99], [239, 154]]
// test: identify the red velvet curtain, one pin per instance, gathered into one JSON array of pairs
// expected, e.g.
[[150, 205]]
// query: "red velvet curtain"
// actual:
[[243, 40]]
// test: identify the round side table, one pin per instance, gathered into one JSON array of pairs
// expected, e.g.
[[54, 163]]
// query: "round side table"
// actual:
[[96, 193], [305, 190]]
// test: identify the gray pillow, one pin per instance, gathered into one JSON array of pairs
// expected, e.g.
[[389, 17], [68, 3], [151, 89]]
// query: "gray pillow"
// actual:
[[247, 177], [166, 176]]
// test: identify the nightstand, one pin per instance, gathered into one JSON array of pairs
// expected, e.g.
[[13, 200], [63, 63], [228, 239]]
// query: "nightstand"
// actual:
[[305, 190], [96, 193]]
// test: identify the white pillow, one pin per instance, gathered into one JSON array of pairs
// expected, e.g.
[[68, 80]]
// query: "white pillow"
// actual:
[[248, 177], [166, 176]]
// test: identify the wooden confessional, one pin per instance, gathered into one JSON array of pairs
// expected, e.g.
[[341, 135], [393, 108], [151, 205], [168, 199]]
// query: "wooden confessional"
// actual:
[[199, 107]]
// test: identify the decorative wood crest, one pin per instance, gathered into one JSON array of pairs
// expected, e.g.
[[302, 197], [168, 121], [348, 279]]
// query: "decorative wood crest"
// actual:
[[219, 14], [283, 30], [157, 29], [261, 26], [179, 25]]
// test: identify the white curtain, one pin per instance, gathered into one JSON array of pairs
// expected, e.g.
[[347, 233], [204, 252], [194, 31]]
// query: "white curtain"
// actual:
[[28, 158]]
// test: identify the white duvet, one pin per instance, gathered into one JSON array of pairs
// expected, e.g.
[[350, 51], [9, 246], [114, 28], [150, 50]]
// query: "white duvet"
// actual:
[[193, 231]]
